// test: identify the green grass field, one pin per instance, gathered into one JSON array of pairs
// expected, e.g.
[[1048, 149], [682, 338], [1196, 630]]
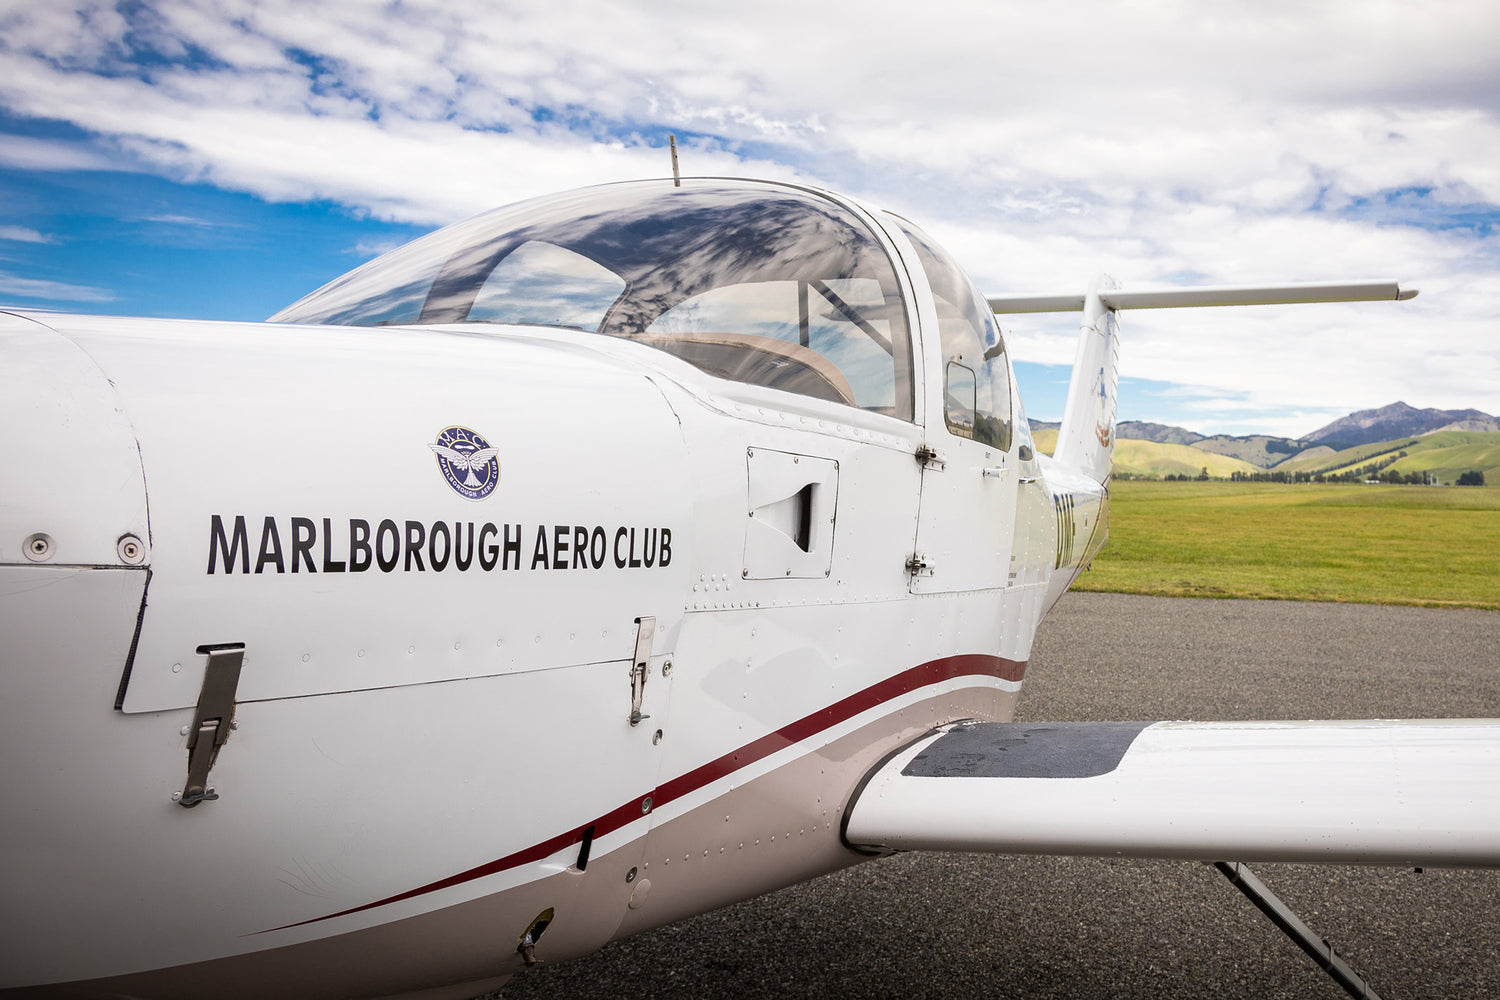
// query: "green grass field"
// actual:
[[1431, 546]]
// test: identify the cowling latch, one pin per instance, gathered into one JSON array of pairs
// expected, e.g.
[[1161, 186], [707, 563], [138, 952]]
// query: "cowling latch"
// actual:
[[639, 666], [212, 719]]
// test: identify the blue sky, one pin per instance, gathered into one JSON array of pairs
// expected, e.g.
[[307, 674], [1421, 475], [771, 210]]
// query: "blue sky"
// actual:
[[138, 243], [219, 159]]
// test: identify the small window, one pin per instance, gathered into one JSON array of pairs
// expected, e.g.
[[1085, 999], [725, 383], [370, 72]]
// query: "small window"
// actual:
[[961, 399], [973, 349]]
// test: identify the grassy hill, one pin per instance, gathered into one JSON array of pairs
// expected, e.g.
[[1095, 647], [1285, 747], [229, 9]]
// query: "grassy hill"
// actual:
[[1315, 452], [1153, 460], [1331, 461], [1446, 454], [1260, 450], [1150, 460], [1449, 454]]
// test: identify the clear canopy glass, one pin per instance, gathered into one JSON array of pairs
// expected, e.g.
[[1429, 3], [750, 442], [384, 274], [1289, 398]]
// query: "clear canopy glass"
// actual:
[[751, 281]]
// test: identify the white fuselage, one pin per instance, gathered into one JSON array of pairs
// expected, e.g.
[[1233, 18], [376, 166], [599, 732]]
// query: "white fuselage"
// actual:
[[434, 714]]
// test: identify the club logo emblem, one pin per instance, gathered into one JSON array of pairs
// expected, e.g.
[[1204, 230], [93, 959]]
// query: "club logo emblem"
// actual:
[[468, 462]]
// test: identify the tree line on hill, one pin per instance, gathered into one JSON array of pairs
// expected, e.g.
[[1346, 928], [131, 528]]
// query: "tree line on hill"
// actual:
[[1364, 474], [1374, 472]]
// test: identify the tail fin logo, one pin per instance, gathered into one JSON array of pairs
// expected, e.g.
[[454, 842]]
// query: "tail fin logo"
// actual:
[[1104, 427]]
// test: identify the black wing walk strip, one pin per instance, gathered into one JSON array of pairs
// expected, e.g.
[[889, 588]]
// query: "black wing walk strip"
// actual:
[[1027, 750]]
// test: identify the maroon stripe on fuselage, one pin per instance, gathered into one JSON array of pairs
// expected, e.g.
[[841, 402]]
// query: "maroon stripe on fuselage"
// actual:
[[840, 711], [932, 672]]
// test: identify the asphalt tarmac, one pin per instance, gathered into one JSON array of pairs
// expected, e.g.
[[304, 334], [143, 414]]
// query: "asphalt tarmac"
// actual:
[[964, 926]]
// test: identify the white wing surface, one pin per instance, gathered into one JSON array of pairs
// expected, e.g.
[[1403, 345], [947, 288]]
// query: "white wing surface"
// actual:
[[1416, 793]]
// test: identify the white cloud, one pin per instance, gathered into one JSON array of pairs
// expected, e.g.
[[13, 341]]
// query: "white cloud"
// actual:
[[54, 291], [181, 220], [26, 153], [1160, 140], [367, 250], [21, 234]]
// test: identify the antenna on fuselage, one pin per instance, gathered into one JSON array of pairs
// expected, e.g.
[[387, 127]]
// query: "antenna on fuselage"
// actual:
[[676, 177]]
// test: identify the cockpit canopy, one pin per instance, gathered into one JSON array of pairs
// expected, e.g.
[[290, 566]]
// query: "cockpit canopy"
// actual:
[[750, 281]]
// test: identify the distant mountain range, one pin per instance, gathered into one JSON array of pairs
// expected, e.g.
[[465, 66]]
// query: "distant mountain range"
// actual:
[[1397, 420], [1387, 423]]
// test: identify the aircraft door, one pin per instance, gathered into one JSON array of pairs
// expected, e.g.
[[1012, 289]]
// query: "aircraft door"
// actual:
[[969, 466], [968, 508]]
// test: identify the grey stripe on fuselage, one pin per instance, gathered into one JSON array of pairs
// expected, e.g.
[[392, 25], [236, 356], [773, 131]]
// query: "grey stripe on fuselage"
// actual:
[[1027, 750]]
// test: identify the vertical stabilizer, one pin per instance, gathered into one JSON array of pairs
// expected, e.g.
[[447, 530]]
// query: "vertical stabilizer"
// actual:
[[1086, 439]]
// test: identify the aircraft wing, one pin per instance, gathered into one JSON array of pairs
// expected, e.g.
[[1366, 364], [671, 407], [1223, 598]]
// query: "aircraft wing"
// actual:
[[1414, 793], [1377, 290]]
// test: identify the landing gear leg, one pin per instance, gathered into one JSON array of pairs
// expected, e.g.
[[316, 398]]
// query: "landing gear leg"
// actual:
[[1317, 948]]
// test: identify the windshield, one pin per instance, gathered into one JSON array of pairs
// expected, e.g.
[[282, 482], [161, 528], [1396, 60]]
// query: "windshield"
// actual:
[[748, 281]]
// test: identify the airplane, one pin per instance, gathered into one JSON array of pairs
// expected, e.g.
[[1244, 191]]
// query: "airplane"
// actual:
[[595, 562]]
